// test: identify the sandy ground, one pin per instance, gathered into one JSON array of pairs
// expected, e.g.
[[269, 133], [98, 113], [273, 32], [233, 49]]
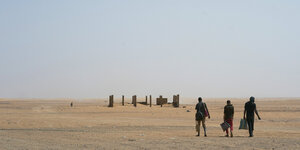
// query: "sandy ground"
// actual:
[[53, 124]]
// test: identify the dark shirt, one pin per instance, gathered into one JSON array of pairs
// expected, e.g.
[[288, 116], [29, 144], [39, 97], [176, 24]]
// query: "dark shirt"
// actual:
[[250, 107], [228, 111], [200, 107]]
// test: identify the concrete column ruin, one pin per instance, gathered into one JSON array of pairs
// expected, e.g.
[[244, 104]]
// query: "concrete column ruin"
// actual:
[[146, 100], [134, 100], [150, 100], [122, 100], [176, 100], [111, 101]]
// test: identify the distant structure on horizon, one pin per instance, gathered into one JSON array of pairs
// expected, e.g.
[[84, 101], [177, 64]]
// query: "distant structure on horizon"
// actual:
[[161, 100], [176, 100]]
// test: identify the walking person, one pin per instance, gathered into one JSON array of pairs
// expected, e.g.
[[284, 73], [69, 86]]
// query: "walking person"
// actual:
[[228, 117], [250, 108], [201, 114]]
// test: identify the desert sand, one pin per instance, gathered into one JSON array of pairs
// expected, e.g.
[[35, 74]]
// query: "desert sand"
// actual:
[[90, 124]]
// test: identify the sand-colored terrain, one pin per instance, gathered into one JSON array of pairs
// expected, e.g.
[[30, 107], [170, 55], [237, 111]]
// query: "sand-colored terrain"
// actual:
[[53, 124]]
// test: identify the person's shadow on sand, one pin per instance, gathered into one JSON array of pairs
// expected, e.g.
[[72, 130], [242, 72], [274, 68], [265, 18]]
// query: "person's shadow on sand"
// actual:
[[234, 136]]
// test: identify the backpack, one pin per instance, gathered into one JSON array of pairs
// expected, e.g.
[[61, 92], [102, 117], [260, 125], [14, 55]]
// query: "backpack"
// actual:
[[199, 115]]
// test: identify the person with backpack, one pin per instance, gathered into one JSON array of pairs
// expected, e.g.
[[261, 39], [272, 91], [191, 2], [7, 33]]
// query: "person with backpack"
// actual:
[[201, 114], [228, 117], [250, 108]]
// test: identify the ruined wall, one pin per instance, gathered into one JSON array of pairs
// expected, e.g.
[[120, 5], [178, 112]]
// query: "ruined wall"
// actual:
[[175, 100], [161, 100]]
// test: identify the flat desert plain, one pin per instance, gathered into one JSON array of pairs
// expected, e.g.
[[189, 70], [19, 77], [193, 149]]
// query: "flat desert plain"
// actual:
[[90, 124]]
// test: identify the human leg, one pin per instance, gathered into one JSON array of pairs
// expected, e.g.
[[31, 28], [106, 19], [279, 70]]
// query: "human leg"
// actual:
[[229, 121], [231, 127], [204, 126], [198, 127], [226, 132], [250, 126]]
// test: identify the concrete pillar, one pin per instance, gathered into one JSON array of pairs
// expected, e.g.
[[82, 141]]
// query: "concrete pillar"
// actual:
[[146, 100], [176, 100], [111, 101], [122, 100], [134, 100], [150, 100]]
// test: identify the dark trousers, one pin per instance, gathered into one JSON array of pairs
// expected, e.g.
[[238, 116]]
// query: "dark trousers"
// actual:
[[250, 121]]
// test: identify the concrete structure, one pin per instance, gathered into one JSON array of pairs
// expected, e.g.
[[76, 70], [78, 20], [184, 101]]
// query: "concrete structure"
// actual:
[[161, 100], [134, 100], [176, 100], [150, 100], [145, 102], [111, 101]]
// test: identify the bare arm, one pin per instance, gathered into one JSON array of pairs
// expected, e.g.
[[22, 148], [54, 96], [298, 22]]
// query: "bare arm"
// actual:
[[244, 113], [257, 113]]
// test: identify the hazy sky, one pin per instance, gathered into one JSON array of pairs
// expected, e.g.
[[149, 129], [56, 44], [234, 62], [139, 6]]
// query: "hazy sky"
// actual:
[[91, 49]]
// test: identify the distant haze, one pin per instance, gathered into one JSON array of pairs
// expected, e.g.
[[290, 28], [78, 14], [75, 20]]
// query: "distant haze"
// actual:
[[90, 49]]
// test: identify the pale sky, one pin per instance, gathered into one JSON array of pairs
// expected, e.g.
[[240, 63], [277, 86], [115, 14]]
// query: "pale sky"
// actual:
[[91, 49]]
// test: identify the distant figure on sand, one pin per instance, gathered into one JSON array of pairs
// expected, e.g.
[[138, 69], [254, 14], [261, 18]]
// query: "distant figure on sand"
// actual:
[[228, 116], [71, 104], [250, 108], [201, 113]]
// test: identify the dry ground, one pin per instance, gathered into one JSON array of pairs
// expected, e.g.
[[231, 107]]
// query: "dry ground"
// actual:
[[53, 124]]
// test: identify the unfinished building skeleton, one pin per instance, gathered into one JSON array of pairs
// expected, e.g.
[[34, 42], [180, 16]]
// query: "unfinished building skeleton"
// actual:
[[161, 100]]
